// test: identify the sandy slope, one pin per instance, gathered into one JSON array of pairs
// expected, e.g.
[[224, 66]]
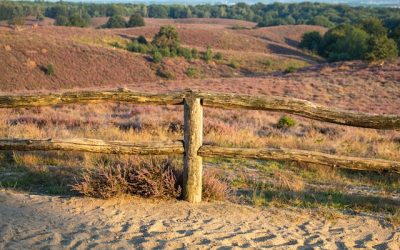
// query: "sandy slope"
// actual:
[[43, 222]]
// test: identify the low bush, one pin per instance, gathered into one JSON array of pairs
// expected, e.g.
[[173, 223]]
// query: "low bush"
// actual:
[[234, 64], [285, 122], [142, 40], [186, 53], [158, 178], [290, 69], [136, 20], [213, 187], [218, 56], [208, 55], [50, 70], [155, 178], [166, 74], [157, 56], [195, 53], [192, 72]]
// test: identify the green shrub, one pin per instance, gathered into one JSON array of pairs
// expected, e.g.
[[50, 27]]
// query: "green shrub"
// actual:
[[380, 48], [62, 21], [290, 69], [311, 41], [185, 52], [208, 55], [142, 40], [157, 56], [165, 52], [234, 64], [192, 72], [49, 70], [167, 37], [136, 20], [116, 21], [195, 53], [285, 122], [137, 47], [116, 45], [165, 74], [267, 62], [218, 56], [17, 21]]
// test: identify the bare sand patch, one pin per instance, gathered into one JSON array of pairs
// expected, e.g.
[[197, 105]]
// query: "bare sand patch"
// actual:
[[40, 221]]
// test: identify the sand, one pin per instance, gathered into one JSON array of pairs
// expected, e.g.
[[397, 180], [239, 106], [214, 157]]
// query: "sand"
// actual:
[[30, 221]]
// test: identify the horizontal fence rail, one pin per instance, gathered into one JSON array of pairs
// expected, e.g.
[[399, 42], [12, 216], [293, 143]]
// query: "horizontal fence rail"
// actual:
[[289, 105], [94, 146], [192, 145], [347, 162], [90, 97], [301, 108]]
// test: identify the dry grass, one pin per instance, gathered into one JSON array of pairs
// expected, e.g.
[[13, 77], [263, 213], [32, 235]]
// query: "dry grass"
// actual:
[[83, 58]]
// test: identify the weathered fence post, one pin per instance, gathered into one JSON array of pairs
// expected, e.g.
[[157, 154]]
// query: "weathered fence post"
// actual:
[[193, 139]]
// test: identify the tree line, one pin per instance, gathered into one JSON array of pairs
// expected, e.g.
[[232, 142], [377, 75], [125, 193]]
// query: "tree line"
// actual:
[[368, 40], [322, 14]]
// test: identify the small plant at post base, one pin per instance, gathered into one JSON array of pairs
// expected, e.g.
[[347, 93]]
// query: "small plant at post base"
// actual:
[[285, 122], [49, 70], [213, 187]]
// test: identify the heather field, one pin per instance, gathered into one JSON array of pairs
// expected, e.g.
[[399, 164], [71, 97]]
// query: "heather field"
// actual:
[[255, 61]]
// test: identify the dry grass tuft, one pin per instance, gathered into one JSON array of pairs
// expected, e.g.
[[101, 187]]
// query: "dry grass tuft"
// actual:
[[155, 178], [213, 187]]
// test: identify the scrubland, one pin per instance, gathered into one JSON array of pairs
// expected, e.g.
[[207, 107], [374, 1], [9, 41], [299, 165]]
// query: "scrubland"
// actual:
[[87, 58]]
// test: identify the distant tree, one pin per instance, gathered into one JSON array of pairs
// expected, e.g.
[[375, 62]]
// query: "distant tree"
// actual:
[[380, 48], [311, 41], [373, 26], [114, 10], [322, 21], [116, 21], [136, 20], [79, 20], [39, 17], [167, 37], [158, 11], [344, 42], [62, 21], [17, 21]]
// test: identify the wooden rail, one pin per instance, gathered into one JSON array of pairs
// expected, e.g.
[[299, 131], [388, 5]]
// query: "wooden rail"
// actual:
[[192, 147], [216, 100], [305, 156], [94, 146]]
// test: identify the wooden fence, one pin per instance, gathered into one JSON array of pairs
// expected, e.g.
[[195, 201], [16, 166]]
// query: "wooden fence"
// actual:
[[192, 145]]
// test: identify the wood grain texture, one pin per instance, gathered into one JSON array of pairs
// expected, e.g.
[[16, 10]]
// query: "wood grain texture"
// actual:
[[301, 108], [346, 162], [90, 97], [93, 146], [217, 100], [193, 139]]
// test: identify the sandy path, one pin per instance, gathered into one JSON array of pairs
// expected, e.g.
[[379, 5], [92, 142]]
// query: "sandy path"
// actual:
[[44, 222]]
